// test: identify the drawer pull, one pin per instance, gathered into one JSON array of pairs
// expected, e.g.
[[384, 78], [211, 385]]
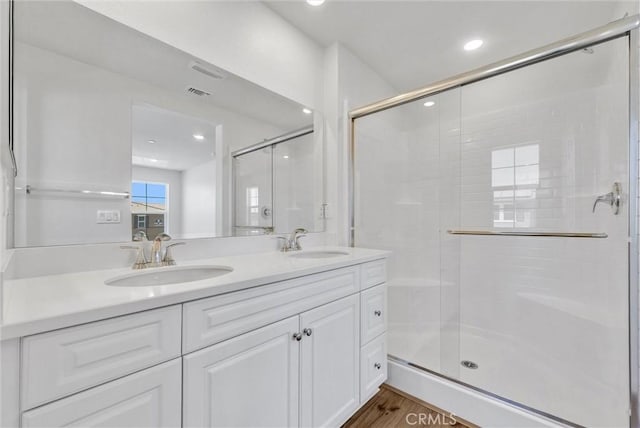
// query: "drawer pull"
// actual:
[[297, 336], [377, 313], [377, 366], [307, 331]]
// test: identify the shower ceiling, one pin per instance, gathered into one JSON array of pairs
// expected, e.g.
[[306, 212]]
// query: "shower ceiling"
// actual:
[[412, 43]]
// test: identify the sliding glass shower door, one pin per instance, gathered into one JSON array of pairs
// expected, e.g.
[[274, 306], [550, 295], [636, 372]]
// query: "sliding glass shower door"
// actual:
[[504, 203]]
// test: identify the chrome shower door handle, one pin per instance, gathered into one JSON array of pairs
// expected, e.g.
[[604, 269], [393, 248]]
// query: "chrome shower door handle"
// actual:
[[613, 199]]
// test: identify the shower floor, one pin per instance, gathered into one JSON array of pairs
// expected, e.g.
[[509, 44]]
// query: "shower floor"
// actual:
[[391, 408]]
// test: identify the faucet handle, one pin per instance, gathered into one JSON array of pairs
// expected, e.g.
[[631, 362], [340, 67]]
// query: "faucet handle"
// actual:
[[613, 199], [141, 259], [168, 258], [296, 243], [286, 245]]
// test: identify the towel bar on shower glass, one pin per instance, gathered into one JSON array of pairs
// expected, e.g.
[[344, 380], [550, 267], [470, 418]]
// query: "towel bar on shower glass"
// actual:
[[539, 234]]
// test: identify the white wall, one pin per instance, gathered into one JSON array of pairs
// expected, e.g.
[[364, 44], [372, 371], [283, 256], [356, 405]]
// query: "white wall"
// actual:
[[175, 181], [244, 38], [199, 201], [349, 83]]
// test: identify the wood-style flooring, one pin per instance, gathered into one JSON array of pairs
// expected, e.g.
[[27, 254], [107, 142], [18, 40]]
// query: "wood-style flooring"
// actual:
[[391, 408]]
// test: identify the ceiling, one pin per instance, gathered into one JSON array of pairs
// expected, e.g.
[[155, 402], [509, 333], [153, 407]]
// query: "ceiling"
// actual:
[[414, 43], [174, 146]]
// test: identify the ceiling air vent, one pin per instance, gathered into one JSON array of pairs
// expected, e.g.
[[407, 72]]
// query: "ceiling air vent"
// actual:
[[198, 92], [206, 70]]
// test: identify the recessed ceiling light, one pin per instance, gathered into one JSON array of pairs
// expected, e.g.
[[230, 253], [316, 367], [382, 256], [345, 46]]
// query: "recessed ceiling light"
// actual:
[[285, 157], [306, 111], [151, 141], [199, 137], [429, 104], [315, 2], [473, 45]]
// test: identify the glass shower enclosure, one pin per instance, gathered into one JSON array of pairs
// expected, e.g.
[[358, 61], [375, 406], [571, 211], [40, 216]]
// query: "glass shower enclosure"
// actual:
[[505, 203], [277, 185]]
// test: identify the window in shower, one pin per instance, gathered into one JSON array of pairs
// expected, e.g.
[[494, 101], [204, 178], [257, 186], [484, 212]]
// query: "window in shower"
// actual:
[[253, 205], [515, 175]]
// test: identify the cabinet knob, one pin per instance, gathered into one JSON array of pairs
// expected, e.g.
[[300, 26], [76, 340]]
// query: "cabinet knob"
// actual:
[[297, 336], [377, 313], [307, 331], [377, 366]]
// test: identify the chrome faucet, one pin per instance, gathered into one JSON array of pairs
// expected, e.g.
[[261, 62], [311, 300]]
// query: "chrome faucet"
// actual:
[[292, 243], [157, 252], [159, 256]]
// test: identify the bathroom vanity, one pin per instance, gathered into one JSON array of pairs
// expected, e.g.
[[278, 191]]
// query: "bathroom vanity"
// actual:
[[280, 340]]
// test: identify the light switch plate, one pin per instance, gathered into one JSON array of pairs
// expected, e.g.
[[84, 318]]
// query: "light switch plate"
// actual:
[[108, 217]]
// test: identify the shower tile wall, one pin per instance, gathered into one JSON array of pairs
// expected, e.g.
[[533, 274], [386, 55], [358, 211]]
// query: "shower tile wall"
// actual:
[[535, 155]]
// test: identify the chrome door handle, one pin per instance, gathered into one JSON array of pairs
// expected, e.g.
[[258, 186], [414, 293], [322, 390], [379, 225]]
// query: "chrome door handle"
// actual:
[[377, 366], [377, 313], [613, 199], [297, 337], [307, 331]]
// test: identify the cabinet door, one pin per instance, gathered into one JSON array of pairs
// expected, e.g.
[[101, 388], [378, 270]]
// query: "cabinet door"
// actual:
[[330, 363], [251, 380], [149, 399]]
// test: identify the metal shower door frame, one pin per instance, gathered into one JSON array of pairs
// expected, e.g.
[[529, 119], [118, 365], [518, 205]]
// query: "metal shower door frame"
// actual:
[[626, 27]]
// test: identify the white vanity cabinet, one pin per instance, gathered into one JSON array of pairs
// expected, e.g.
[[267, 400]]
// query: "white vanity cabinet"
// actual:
[[148, 399], [250, 380], [302, 371], [304, 352]]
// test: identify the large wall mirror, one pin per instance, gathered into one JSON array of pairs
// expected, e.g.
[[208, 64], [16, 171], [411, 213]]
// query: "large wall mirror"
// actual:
[[116, 133]]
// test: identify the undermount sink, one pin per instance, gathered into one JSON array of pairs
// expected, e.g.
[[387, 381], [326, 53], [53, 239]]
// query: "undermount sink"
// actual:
[[168, 275], [319, 254]]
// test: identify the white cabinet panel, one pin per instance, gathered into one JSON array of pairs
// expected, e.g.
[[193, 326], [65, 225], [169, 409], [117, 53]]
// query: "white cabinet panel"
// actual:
[[147, 399], [213, 320], [373, 315], [248, 381], [374, 273], [62, 362], [330, 363], [373, 367]]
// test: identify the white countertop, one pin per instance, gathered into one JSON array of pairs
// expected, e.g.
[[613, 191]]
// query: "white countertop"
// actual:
[[38, 304]]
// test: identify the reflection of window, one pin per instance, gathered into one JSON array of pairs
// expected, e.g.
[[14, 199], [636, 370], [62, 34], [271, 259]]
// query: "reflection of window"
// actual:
[[515, 174], [148, 208], [148, 197], [253, 206]]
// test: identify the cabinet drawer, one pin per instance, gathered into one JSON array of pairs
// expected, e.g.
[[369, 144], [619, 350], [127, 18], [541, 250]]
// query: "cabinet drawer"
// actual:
[[210, 321], [373, 313], [150, 399], [62, 362], [373, 367], [374, 273]]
